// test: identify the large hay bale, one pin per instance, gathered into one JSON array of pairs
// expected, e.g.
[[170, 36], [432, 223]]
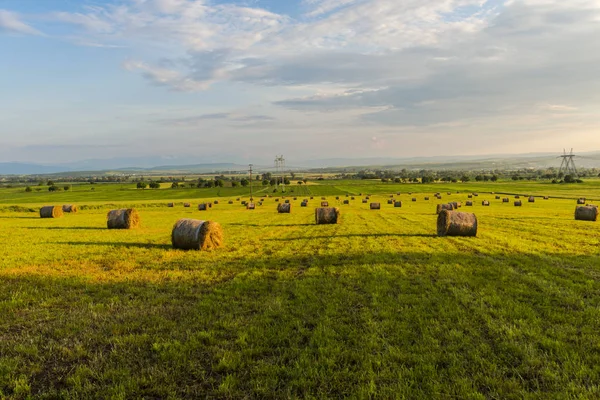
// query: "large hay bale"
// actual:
[[397, 204], [250, 206], [123, 219], [531, 199], [518, 203], [324, 204], [171, 205], [586, 213], [485, 203], [328, 215], [454, 223], [442, 207], [51, 212], [202, 207], [375, 206], [193, 234], [69, 208], [284, 208]]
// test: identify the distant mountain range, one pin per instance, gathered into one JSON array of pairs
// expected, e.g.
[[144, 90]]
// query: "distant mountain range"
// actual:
[[186, 165]]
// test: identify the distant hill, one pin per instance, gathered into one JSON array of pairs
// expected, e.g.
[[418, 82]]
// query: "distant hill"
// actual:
[[16, 168]]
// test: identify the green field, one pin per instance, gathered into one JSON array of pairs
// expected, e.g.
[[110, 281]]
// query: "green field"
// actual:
[[374, 307]]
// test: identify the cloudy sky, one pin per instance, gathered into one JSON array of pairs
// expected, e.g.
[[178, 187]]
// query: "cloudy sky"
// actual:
[[244, 80]]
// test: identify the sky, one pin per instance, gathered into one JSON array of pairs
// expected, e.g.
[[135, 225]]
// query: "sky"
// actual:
[[242, 81]]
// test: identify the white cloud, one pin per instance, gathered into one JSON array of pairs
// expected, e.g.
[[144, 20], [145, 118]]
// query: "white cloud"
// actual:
[[11, 23]]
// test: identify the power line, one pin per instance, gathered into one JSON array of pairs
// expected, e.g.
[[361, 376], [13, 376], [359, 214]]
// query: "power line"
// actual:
[[567, 165]]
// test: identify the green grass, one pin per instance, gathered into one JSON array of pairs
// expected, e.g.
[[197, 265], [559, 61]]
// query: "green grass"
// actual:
[[375, 307]]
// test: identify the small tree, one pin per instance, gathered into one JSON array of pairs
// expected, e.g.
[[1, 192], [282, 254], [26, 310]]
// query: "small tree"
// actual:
[[244, 182], [175, 185], [66, 187], [142, 185], [494, 178], [154, 185], [28, 189]]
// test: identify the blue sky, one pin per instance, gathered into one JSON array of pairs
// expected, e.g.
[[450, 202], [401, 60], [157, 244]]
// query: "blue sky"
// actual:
[[245, 80]]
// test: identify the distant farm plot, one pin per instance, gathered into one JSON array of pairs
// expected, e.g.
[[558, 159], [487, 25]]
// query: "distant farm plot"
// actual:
[[375, 306]]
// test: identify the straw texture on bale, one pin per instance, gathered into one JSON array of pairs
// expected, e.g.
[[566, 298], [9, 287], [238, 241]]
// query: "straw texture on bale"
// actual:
[[70, 208], [587, 213], [123, 219], [328, 215], [454, 223], [375, 206], [442, 207], [324, 204], [51, 212], [284, 208], [518, 203], [398, 204], [531, 199], [193, 234], [170, 204]]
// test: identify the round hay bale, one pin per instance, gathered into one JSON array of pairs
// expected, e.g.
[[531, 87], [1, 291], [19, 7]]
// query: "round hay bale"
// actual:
[[209, 205], [323, 198], [531, 199], [346, 202], [375, 206], [324, 204], [276, 200], [70, 208], [546, 197], [284, 208], [295, 198], [311, 197], [414, 199], [390, 201], [186, 205], [171, 205], [470, 196], [123, 219], [426, 198], [398, 204], [469, 203], [250, 206], [51, 212], [202, 207], [454, 223], [518, 203], [328, 215], [442, 207], [497, 197], [230, 202], [448, 193], [581, 200], [337, 197], [505, 200], [304, 204], [586, 213], [287, 201], [517, 197], [216, 202], [351, 198], [485, 203], [475, 194], [365, 201], [193, 234], [238, 199]]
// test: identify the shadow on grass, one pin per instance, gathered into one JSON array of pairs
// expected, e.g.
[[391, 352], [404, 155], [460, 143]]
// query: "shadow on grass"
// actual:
[[124, 245], [67, 228], [359, 235]]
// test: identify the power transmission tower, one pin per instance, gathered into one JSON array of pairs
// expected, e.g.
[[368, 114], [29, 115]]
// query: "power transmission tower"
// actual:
[[250, 172], [280, 166], [567, 167]]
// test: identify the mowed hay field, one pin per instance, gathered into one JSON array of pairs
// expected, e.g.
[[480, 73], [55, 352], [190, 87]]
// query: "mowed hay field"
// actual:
[[376, 306]]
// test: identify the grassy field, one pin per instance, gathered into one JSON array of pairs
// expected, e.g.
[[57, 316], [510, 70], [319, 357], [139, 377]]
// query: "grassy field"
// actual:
[[374, 307]]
